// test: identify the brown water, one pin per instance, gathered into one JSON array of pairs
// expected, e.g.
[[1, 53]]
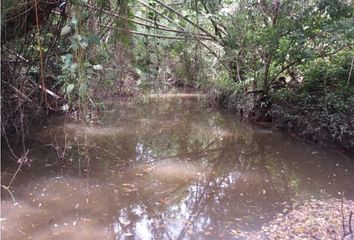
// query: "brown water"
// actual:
[[168, 167]]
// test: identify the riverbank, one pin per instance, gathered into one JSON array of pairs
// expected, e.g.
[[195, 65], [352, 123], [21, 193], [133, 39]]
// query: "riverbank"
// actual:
[[309, 116]]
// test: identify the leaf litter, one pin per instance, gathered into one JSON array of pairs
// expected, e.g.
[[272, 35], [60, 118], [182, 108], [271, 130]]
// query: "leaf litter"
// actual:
[[315, 219]]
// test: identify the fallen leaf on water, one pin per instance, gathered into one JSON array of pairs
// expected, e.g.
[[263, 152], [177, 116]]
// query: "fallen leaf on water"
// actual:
[[147, 169], [234, 232], [128, 185], [128, 190]]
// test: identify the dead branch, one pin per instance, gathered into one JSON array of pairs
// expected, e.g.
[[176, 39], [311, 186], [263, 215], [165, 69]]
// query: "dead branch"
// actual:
[[15, 54], [21, 94], [149, 34], [217, 30], [184, 18], [50, 92], [155, 25], [179, 27]]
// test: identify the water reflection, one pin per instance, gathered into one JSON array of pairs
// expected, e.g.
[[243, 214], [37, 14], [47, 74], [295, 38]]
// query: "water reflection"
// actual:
[[167, 168]]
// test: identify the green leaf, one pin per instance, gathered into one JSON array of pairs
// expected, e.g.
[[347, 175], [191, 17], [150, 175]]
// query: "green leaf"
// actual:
[[83, 43], [70, 88], [74, 21], [93, 39], [73, 67], [83, 90]]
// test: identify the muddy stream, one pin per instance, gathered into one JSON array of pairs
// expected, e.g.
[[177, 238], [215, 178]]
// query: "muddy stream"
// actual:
[[167, 167]]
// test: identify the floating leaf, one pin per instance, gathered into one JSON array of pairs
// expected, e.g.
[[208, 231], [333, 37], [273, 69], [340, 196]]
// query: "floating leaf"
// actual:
[[129, 190], [128, 185]]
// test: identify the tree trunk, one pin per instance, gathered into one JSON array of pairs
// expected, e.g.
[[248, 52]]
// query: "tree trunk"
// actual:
[[266, 73]]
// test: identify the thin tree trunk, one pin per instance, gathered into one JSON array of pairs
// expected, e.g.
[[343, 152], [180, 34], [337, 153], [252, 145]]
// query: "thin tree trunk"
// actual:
[[350, 71], [266, 74]]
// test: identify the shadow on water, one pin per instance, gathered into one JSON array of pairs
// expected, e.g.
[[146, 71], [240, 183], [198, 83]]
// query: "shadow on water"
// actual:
[[166, 168]]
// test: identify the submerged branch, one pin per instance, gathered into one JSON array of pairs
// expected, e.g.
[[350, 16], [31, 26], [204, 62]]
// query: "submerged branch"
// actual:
[[9, 191]]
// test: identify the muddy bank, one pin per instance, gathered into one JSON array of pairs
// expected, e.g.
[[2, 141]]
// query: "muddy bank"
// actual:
[[309, 122]]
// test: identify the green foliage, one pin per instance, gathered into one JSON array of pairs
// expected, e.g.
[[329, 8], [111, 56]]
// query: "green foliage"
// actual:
[[325, 85], [224, 83], [329, 74], [264, 38], [76, 69]]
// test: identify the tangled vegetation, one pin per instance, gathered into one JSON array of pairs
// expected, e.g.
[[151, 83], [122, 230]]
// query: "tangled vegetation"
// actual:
[[280, 61]]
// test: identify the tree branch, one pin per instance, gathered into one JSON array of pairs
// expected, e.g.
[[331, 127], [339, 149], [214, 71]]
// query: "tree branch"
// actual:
[[151, 35], [155, 26], [199, 40], [186, 19], [216, 28]]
